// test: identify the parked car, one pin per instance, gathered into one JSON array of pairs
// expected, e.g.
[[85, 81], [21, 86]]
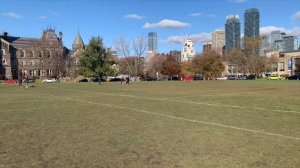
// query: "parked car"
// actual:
[[221, 78], [274, 77], [116, 79], [251, 77], [96, 79], [83, 80], [50, 80], [149, 79], [10, 81], [231, 77], [293, 77], [174, 78], [198, 78], [241, 78]]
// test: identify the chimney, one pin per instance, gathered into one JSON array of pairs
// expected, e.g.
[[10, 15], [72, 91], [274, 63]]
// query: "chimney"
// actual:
[[5, 34]]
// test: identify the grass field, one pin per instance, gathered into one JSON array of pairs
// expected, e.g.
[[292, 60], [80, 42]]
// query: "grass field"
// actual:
[[151, 124]]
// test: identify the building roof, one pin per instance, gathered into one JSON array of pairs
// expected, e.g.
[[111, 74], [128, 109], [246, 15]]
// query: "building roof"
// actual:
[[78, 43]]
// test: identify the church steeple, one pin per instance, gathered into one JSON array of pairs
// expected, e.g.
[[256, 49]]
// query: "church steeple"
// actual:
[[78, 43]]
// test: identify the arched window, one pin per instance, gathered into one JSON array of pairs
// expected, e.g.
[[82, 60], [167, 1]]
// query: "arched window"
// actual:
[[40, 55], [4, 61], [48, 54], [31, 54], [2, 52], [22, 53]]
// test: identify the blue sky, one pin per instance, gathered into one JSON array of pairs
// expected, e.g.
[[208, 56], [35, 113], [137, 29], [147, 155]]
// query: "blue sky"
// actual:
[[171, 19]]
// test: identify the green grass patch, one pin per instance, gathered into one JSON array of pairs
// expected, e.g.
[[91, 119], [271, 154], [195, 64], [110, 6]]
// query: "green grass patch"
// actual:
[[151, 124]]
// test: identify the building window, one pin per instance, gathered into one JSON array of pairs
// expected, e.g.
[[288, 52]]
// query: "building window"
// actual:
[[275, 66], [40, 54], [281, 66], [48, 54], [32, 62], [2, 52], [4, 61], [31, 54], [22, 54]]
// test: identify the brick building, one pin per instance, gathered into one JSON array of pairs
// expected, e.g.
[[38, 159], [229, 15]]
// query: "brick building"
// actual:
[[39, 57]]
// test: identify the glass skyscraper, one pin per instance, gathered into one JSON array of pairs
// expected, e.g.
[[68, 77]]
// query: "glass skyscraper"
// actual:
[[152, 41], [251, 27], [232, 32]]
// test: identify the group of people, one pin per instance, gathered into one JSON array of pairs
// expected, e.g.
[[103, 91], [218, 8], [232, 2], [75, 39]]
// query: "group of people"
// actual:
[[23, 79], [125, 81]]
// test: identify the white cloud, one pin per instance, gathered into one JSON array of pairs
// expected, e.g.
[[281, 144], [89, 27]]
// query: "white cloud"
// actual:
[[166, 23], [12, 15], [211, 15], [295, 31], [268, 29], [296, 16], [52, 12], [42, 17], [196, 14], [133, 16], [196, 38], [237, 1], [202, 14]]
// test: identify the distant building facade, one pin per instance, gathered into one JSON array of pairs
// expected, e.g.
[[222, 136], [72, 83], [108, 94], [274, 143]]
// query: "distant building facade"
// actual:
[[72, 60], [176, 54], [218, 41], [287, 63], [39, 57], [232, 32], [290, 43], [251, 24], [188, 51], [152, 42], [207, 47]]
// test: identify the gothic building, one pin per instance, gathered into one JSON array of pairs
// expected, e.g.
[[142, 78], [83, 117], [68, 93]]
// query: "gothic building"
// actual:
[[73, 57], [43, 57]]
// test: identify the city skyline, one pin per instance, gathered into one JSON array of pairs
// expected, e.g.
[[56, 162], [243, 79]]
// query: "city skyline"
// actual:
[[111, 20]]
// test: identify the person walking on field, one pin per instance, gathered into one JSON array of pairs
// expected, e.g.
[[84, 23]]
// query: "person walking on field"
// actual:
[[100, 78], [20, 81], [26, 80]]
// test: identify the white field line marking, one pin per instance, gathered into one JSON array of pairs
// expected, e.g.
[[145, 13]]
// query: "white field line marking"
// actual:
[[28, 101], [189, 102], [179, 118], [21, 109]]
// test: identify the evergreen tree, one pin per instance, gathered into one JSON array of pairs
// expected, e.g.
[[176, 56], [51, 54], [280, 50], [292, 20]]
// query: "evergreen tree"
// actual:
[[96, 60]]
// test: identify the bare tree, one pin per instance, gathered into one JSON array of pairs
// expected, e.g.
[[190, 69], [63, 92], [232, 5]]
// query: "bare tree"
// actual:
[[134, 64], [122, 46], [139, 46], [154, 65]]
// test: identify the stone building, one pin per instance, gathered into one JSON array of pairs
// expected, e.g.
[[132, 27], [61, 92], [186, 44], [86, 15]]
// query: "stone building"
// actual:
[[72, 59], [39, 57], [188, 51]]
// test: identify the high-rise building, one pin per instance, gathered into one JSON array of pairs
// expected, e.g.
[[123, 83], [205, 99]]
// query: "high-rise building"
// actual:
[[278, 46], [218, 41], [207, 47], [276, 35], [188, 51], [251, 27], [290, 43], [265, 46], [152, 42], [176, 54], [232, 32]]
